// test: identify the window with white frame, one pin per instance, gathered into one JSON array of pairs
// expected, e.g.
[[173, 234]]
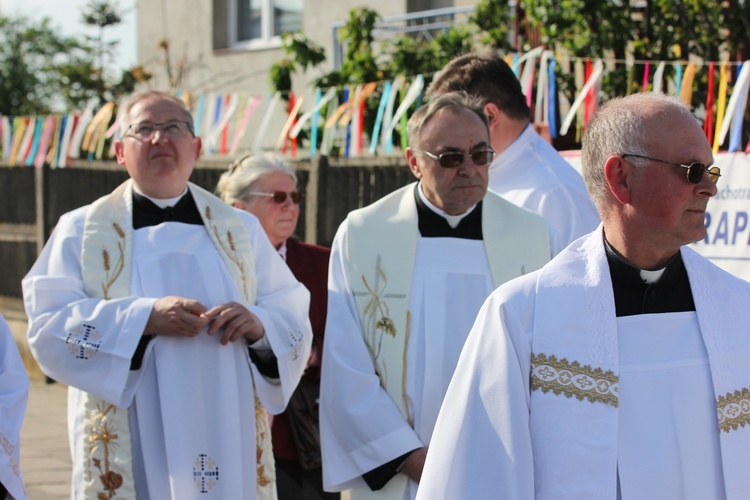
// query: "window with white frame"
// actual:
[[261, 22]]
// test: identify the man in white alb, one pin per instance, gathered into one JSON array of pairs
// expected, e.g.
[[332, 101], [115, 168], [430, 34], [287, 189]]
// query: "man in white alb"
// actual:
[[527, 170], [174, 321], [619, 370], [408, 275], [14, 394]]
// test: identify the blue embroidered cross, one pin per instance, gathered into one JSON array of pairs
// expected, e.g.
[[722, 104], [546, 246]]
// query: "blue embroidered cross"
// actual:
[[205, 473], [83, 341]]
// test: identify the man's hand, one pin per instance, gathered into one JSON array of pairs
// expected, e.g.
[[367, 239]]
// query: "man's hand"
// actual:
[[176, 316], [414, 464], [237, 322]]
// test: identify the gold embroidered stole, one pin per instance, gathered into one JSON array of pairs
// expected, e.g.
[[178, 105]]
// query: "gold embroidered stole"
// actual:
[[575, 366], [381, 248], [106, 262]]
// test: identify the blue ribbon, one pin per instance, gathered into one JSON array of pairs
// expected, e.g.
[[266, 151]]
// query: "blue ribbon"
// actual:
[[735, 138], [379, 119], [552, 119], [314, 125], [35, 144], [348, 127]]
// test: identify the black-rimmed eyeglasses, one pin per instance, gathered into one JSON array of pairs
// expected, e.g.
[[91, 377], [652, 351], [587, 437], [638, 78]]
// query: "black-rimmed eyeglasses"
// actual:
[[695, 170], [454, 159], [280, 196], [145, 130]]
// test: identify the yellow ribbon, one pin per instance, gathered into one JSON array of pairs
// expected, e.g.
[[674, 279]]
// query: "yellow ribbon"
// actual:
[[720, 106]]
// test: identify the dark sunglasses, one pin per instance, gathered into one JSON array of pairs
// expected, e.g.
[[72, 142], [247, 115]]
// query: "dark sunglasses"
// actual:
[[280, 196], [454, 159], [695, 170]]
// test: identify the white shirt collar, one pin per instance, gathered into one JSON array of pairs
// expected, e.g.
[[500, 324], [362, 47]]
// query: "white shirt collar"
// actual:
[[453, 220], [517, 147], [282, 250], [161, 202]]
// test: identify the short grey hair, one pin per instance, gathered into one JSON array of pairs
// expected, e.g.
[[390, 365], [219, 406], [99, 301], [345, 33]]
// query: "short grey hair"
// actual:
[[244, 173], [155, 95], [620, 127], [455, 101]]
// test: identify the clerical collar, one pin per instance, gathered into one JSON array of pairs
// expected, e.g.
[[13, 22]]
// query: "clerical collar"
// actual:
[[453, 220], [147, 213], [634, 294], [433, 224], [648, 277], [161, 202], [282, 250]]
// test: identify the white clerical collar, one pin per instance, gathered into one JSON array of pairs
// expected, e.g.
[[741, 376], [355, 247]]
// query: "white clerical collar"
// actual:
[[282, 250], [650, 277], [161, 202], [452, 220]]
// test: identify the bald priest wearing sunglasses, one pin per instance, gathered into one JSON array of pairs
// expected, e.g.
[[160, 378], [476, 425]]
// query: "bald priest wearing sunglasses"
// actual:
[[620, 369], [408, 275], [173, 320]]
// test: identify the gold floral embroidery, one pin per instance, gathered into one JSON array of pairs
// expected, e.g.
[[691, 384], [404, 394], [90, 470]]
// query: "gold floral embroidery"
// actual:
[[113, 272], [261, 446], [572, 379], [376, 318], [230, 249], [733, 410], [103, 437]]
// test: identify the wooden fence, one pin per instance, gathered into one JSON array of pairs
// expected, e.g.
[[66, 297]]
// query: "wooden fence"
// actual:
[[32, 200]]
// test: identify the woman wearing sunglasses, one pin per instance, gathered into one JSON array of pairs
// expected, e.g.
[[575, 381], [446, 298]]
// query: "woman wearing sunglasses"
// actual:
[[266, 186]]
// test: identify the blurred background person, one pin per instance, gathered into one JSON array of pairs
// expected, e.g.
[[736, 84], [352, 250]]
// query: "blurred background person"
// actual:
[[14, 393], [266, 186]]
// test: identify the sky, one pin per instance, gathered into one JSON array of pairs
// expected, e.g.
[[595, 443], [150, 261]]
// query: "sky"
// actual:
[[65, 16]]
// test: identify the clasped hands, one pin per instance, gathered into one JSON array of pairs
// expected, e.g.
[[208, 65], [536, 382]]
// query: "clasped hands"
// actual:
[[181, 317]]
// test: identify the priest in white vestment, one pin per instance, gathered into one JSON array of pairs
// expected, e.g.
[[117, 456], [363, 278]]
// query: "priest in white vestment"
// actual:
[[527, 170], [620, 369], [174, 321], [14, 394], [408, 275]]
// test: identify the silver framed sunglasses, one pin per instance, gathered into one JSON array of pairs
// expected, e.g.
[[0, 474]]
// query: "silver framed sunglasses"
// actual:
[[695, 170]]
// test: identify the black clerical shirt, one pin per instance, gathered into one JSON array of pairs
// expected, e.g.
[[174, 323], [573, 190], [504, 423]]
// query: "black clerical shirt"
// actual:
[[433, 225], [670, 293]]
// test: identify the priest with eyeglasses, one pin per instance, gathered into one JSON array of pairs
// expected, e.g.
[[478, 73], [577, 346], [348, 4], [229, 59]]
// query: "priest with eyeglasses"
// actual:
[[407, 277], [620, 369], [173, 320]]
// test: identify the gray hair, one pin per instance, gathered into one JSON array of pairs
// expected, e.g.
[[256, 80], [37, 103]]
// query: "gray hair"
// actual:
[[245, 172], [455, 101], [155, 95], [620, 127]]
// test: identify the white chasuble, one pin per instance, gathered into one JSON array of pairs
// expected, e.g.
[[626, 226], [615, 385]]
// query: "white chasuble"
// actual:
[[412, 301], [190, 407], [668, 444], [536, 409], [14, 394]]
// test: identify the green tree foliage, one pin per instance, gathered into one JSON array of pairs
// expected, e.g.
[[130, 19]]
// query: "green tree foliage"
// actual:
[[664, 30], [88, 78], [42, 71], [31, 57], [301, 53], [493, 18]]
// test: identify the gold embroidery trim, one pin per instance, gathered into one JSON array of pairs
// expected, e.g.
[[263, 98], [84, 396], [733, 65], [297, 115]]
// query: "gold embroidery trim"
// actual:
[[734, 410], [404, 394], [104, 437], [374, 309], [113, 272], [572, 379], [229, 248]]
